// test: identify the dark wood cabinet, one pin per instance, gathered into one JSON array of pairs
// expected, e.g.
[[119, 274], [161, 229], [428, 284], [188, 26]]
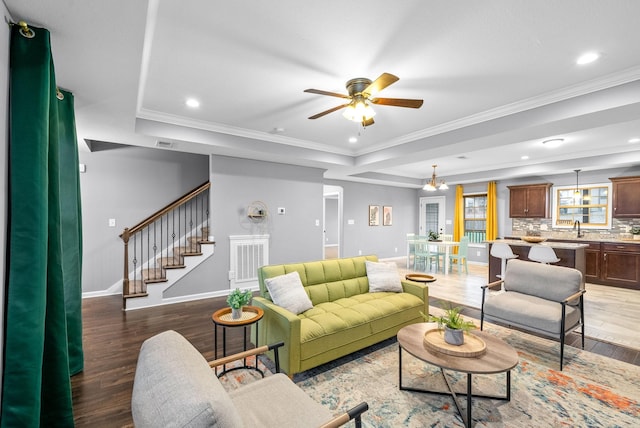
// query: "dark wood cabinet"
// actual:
[[621, 264], [529, 201], [611, 263], [592, 262], [626, 197]]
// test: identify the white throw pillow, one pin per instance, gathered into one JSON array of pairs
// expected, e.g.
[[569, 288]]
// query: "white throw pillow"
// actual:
[[287, 291], [383, 277]]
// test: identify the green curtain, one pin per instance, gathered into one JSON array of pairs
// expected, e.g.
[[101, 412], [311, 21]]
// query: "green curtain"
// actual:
[[492, 211], [43, 328]]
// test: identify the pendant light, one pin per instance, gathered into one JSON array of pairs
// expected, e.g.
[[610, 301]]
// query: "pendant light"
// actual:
[[432, 185]]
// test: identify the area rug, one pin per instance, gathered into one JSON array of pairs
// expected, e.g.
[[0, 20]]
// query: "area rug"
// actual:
[[591, 391]]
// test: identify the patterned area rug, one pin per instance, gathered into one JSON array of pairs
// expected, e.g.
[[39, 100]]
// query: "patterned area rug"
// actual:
[[592, 391]]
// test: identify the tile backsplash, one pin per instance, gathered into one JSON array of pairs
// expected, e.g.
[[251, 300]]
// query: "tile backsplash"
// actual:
[[620, 229]]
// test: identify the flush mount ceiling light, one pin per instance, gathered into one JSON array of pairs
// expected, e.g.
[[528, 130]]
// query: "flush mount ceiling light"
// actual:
[[634, 140], [553, 142], [587, 58], [432, 185]]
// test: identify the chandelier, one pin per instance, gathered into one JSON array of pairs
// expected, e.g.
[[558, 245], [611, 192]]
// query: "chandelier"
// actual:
[[432, 185]]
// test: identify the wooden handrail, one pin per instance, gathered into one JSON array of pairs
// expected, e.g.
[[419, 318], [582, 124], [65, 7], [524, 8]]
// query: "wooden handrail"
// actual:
[[153, 217]]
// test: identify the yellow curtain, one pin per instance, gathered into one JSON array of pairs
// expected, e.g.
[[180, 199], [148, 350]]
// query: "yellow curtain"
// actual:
[[458, 215], [492, 211]]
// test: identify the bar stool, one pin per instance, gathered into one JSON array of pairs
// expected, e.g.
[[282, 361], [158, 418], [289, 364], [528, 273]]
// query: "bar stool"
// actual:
[[502, 251], [543, 254]]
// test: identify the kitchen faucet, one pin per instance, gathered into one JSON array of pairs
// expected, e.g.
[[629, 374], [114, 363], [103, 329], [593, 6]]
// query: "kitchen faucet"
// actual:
[[577, 222]]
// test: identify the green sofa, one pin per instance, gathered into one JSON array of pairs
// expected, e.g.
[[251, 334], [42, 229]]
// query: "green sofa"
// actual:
[[345, 316]]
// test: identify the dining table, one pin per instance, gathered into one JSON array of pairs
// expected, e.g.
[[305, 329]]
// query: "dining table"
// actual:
[[442, 247]]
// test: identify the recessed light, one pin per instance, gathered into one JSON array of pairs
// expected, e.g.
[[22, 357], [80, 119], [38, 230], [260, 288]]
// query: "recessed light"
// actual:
[[587, 58], [553, 142], [192, 102], [353, 140], [525, 157], [634, 140]]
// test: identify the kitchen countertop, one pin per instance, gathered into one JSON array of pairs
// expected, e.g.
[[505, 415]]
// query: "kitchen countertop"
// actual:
[[585, 239], [552, 244]]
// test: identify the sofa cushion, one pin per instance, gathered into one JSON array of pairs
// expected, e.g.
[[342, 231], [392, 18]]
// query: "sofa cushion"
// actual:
[[287, 291], [175, 387], [530, 312], [262, 404], [333, 324], [545, 281], [383, 277]]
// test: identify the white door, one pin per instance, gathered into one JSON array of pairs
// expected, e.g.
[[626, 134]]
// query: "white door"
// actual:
[[432, 213]]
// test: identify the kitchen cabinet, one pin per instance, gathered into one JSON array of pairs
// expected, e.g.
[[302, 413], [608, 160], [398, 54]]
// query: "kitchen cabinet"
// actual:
[[529, 201], [626, 197], [621, 264]]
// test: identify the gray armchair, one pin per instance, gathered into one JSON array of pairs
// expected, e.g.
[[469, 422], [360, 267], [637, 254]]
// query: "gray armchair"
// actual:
[[175, 386], [541, 298]]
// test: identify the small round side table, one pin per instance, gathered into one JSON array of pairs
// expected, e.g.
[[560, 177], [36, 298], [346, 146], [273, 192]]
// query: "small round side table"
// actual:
[[222, 317]]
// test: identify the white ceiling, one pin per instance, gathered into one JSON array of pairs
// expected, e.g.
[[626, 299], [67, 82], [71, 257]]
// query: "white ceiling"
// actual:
[[497, 78]]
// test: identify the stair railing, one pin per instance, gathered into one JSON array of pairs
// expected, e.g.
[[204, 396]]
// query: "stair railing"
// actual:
[[169, 234]]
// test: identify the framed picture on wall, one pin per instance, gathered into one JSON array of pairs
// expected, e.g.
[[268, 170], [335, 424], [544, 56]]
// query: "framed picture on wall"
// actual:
[[387, 216], [374, 215]]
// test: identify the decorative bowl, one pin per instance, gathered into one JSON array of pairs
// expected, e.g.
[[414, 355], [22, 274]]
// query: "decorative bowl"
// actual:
[[533, 239]]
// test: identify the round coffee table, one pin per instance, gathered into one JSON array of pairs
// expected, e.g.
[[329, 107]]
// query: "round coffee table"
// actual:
[[222, 317], [498, 358]]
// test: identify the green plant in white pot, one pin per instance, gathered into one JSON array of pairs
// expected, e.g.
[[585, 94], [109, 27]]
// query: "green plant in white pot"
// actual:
[[635, 231], [236, 300], [453, 325]]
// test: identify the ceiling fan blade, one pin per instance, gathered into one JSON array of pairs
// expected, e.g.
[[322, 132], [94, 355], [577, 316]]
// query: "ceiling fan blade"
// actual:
[[380, 83], [331, 110], [397, 102], [331, 94]]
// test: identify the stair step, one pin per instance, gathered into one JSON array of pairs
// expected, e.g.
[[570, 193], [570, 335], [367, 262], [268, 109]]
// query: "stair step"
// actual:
[[137, 288], [188, 251], [153, 275], [174, 262]]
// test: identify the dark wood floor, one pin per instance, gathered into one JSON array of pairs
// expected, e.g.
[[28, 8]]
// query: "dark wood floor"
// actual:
[[112, 338]]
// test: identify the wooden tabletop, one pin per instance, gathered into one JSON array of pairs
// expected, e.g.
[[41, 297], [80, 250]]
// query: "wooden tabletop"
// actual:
[[250, 314], [499, 356]]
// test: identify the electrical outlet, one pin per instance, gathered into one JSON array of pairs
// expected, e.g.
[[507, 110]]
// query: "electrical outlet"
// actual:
[[112, 222], [396, 250], [359, 252], [478, 253]]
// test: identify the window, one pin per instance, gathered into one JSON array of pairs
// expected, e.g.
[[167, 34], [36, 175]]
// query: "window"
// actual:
[[475, 217], [590, 205]]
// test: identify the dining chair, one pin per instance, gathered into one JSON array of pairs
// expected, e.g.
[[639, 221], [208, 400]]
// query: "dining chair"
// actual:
[[423, 252], [461, 257]]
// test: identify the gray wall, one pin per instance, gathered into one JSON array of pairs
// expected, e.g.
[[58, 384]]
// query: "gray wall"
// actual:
[[294, 237], [4, 135], [127, 184], [380, 240]]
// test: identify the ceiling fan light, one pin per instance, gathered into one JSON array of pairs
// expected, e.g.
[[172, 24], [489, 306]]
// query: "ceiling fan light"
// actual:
[[358, 111]]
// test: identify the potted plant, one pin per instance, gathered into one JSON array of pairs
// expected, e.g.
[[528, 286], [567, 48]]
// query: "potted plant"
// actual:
[[453, 325], [236, 300], [635, 231], [433, 236]]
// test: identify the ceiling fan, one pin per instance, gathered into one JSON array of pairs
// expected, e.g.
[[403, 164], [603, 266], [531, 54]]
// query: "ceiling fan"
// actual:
[[362, 93]]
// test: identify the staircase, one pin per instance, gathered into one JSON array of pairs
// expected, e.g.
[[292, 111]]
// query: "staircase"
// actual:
[[164, 247]]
